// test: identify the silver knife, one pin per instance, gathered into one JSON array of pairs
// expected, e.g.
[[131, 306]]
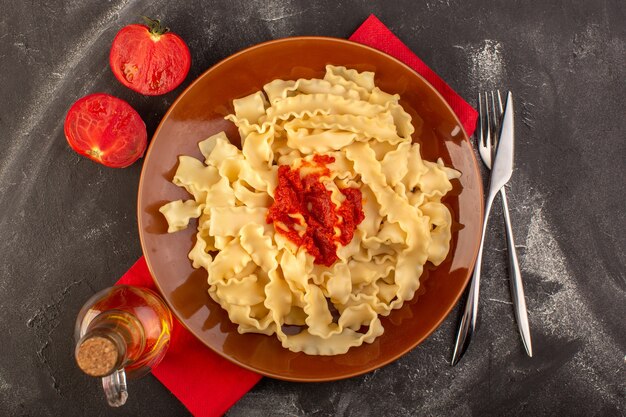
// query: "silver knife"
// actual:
[[501, 172]]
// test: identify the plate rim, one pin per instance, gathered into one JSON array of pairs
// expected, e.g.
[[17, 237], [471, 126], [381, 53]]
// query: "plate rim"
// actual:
[[140, 188]]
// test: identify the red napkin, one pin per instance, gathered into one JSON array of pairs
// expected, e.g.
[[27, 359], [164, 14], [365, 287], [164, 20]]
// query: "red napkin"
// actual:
[[375, 34], [206, 383]]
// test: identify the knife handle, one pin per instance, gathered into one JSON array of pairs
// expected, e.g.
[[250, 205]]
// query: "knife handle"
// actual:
[[515, 280], [470, 313], [467, 325]]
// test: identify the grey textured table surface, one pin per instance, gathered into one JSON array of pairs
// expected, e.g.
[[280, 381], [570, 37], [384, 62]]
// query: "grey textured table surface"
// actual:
[[68, 226]]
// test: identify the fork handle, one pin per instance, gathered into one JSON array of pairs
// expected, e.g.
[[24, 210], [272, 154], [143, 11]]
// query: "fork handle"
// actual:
[[515, 280]]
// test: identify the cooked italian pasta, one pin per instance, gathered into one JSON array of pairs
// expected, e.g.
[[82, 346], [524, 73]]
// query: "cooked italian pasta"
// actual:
[[259, 269]]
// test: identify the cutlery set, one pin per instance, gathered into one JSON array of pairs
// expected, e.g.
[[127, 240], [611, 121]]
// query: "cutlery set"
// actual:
[[495, 139]]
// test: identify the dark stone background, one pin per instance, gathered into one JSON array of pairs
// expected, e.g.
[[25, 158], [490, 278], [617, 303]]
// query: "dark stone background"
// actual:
[[68, 226]]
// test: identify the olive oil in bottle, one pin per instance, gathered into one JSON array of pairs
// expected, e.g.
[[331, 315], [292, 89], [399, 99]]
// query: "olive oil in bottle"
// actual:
[[121, 332]]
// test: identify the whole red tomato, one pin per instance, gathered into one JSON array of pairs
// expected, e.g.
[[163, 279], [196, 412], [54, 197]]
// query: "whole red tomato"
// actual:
[[149, 59], [106, 129]]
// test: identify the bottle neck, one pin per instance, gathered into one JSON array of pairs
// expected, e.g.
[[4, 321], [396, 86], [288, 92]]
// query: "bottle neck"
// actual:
[[113, 340]]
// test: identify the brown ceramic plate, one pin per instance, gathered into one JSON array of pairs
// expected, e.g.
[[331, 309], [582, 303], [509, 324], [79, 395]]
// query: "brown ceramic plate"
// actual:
[[199, 112]]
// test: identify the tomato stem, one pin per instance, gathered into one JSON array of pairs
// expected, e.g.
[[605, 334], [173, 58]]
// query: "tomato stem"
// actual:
[[155, 26]]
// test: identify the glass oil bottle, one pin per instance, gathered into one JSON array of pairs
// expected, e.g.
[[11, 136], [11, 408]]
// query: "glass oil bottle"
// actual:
[[121, 332]]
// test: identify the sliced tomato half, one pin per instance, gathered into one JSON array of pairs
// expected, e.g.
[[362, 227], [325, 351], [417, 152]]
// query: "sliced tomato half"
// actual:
[[106, 129], [149, 59]]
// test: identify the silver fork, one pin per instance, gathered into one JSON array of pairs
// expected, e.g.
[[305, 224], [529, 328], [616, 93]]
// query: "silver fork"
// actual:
[[487, 145]]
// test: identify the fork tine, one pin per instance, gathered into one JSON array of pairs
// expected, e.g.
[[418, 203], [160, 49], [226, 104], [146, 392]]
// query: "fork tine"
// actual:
[[488, 141], [495, 123], [483, 140], [497, 111], [481, 121]]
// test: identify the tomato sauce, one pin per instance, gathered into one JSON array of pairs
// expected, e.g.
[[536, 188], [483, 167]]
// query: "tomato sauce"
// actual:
[[307, 196]]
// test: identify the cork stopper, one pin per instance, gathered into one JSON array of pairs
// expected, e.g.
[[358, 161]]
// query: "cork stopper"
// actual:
[[97, 356]]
